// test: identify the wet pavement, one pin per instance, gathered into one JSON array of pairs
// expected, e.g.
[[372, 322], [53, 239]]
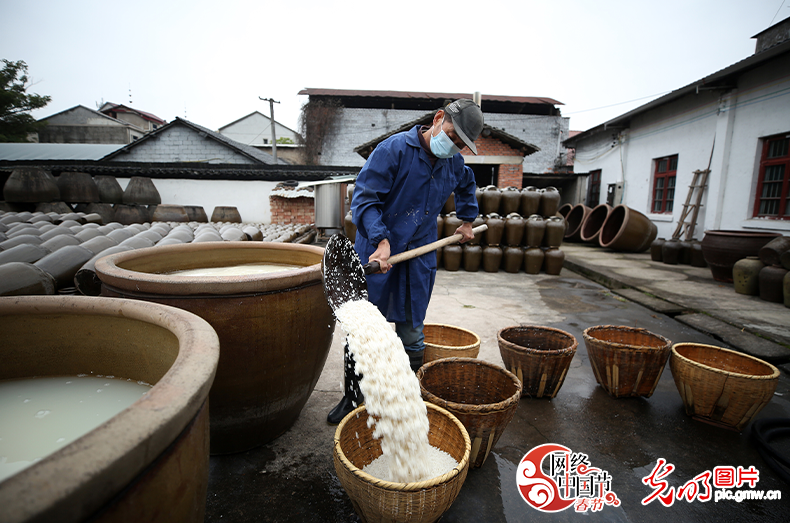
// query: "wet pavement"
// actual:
[[292, 479]]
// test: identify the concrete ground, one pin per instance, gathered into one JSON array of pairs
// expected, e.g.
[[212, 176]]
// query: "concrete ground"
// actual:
[[292, 479]]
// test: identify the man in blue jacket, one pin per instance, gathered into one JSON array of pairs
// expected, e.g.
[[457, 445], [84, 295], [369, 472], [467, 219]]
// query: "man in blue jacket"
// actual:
[[397, 197]]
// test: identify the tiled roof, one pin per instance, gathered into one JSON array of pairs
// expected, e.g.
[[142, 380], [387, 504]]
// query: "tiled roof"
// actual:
[[525, 148], [190, 170], [428, 95], [148, 116]]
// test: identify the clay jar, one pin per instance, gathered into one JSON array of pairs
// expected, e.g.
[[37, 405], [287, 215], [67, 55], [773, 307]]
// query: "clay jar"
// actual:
[[478, 237], [533, 260], [555, 230], [552, 261], [490, 200], [492, 258], [697, 258], [772, 252], [549, 201], [449, 205], [496, 229], [576, 219], [349, 228], [451, 223], [591, 228], [655, 249], [452, 256], [670, 251], [31, 185], [530, 201], [472, 257], [627, 230], [513, 256], [439, 226], [275, 329], [722, 248], [77, 187], [771, 283], [150, 461], [536, 228], [109, 189], [746, 275], [514, 229], [510, 202]]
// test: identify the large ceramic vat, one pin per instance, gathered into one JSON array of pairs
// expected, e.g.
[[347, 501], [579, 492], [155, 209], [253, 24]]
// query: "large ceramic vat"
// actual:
[[150, 461], [722, 249], [275, 329]]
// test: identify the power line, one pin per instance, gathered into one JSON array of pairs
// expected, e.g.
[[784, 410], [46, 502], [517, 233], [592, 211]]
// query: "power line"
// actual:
[[777, 12], [620, 103]]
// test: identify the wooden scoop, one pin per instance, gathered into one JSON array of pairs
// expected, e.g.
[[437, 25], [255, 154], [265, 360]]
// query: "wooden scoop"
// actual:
[[344, 275]]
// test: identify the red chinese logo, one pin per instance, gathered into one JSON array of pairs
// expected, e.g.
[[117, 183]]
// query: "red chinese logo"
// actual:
[[569, 479]]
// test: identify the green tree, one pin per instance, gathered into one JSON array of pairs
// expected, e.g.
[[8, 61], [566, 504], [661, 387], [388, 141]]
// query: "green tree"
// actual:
[[15, 104]]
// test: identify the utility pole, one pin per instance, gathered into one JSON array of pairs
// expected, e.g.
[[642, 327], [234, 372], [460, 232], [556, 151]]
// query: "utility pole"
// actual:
[[271, 112]]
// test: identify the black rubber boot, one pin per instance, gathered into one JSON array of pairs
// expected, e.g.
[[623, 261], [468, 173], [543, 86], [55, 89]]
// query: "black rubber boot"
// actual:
[[415, 359], [352, 395]]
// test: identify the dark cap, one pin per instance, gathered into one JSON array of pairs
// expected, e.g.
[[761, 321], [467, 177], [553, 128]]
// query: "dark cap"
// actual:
[[467, 120]]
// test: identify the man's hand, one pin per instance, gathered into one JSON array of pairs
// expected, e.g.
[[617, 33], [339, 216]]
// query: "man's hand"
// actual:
[[381, 255], [466, 230]]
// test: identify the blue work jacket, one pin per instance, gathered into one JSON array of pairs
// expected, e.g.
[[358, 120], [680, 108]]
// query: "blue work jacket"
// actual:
[[398, 195]]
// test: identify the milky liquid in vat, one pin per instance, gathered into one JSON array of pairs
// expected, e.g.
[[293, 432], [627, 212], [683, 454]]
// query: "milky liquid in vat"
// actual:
[[244, 269], [392, 395], [41, 415]]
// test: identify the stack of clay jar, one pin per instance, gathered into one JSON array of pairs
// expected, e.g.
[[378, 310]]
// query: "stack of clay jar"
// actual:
[[766, 275], [512, 242]]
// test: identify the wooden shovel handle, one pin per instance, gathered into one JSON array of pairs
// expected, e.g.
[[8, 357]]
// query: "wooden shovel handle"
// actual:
[[373, 267]]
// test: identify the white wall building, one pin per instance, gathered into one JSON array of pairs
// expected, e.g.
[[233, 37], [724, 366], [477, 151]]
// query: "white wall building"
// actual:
[[255, 129], [652, 151], [364, 116]]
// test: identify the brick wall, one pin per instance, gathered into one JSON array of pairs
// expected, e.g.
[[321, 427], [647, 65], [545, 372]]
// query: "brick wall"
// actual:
[[510, 175], [292, 210]]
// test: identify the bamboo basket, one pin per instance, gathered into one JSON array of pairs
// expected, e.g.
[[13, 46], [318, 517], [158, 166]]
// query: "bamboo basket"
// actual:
[[538, 356], [447, 341], [626, 361], [376, 500], [720, 386], [483, 396]]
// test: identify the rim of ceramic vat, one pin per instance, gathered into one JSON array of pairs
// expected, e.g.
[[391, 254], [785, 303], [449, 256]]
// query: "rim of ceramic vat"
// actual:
[[141, 270], [415, 486], [732, 232], [467, 408], [102, 462], [614, 214], [774, 374], [576, 222], [592, 226], [571, 348]]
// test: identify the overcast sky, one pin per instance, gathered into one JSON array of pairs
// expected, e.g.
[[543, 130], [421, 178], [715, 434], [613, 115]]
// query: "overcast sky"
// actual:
[[209, 61]]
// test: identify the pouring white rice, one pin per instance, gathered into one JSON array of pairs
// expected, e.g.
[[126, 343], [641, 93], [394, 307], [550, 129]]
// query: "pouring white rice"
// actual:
[[392, 395]]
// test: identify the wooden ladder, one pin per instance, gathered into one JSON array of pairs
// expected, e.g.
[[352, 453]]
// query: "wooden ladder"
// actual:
[[698, 184]]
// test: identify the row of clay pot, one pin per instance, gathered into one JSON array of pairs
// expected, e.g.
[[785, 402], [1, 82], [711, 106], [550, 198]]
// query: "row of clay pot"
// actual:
[[752, 277], [677, 252], [49, 253], [514, 230], [620, 228], [493, 258], [36, 185], [526, 201]]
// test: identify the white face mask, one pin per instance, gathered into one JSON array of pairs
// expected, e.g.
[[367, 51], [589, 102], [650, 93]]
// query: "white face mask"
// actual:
[[442, 146]]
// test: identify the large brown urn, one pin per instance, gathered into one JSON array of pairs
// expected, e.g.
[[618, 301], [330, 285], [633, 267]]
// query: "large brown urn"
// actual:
[[149, 462], [275, 329]]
